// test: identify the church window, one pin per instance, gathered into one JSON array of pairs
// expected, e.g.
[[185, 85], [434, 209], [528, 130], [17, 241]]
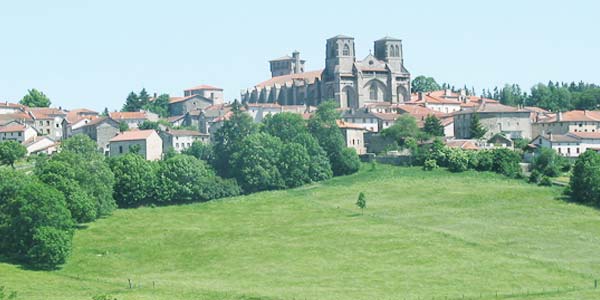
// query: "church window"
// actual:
[[346, 50], [373, 92]]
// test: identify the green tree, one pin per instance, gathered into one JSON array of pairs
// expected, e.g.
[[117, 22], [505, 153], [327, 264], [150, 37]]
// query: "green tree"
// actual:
[[132, 103], [404, 127], [184, 178], [146, 125], [35, 98], [584, 186], [80, 144], [285, 126], [229, 137], [159, 106], [200, 151], [424, 84], [255, 165], [319, 167], [123, 126], [11, 152], [458, 160], [143, 98], [30, 212], [548, 162], [135, 180], [433, 126], [294, 165], [361, 202], [506, 162], [476, 129]]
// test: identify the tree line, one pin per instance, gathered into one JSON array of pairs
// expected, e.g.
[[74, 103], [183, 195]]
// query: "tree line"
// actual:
[[40, 211]]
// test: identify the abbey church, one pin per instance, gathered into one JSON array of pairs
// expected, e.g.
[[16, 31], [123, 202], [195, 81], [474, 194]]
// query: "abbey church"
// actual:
[[379, 77]]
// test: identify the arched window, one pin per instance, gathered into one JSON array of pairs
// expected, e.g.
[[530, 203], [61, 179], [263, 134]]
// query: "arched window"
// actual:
[[391, 51], [397, 51], [346, 50], [373, 92]]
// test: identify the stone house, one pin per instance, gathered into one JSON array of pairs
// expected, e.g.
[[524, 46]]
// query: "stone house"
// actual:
[[11, 108], [40, 144], [570, 144], [101, 130], [48, 121], [565, 122], [214, 94], [16, 131], [134, 119], [512, 122], [354, 136], [180, 140], [148, 142]]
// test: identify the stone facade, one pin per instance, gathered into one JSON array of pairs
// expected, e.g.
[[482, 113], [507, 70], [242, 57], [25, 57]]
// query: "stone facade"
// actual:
[[101, 130], [352, 83], [512, 122], [149, 143]]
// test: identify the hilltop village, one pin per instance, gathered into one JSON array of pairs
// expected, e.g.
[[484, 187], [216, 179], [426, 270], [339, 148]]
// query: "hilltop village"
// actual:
[[372, 94]]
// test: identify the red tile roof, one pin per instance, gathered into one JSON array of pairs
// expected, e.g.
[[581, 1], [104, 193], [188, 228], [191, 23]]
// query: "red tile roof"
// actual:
[[574, 116], [347, 125], [135, 135], [204, 87], [310, 76], [13, 128], [586, 135], [127, 115]]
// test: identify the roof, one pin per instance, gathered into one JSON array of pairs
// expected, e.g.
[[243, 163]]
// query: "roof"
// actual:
[[20, 116], [283, 58], [99, 120], [586, 135], [341, 36], [181, 99], [347, 125], [310, 76], [494, 107], [388, 38], [175, 118], [264, 105], [462, 144], [7, 104], [13, 128], [184, 133], [574, 116], [224, 117], [387, 116], [36, 139], [135, 135], [204, 87], [135, 115], [49, 111], [418, 110]]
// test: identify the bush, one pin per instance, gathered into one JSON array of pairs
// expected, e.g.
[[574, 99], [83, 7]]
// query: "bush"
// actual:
[[184, 178], [485, 161], [51, 247], [294, 168], [548, 162], [348, 162], [506, 162], [430, 165], [458, 160], [535, 177], [546, 181], [135, 180], [584, 186]]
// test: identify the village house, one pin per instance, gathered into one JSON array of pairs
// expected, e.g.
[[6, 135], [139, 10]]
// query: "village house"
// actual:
[[148, 143], [354, 136], [11, 108], [133, 119], [565, 122], [48, 121], [194, 99], [512, 122], [101, 130], [40, 144], [180, 140], [570, 144], [16, 131]]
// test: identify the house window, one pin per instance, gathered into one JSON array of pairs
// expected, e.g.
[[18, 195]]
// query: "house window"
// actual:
[[346, 51], [120, 149], [48, 123], [176, 145], [20, 133]]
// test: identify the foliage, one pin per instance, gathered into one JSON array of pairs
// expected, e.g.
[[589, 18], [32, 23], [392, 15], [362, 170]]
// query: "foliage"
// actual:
[[319, 167], [535, 177], [11, 152], [476, 129], [404, 127], [228, 139], [430, 165], [159, 106], [584, 186], [123, 126], [424, 84], [35, 224], [506, 162], [256, 164], [135, 180], [35, 98], [200, 151], [80, 144], [546, 181], [548, 162], [285, 126], [458, 160], [322, 125], [433, 126], [147, 124], [485, 160], [135, 102], [7, 295], [361, 202], [294, 165]]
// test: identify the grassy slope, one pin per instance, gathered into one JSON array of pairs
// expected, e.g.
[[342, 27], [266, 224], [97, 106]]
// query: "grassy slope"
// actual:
[[424, 234]]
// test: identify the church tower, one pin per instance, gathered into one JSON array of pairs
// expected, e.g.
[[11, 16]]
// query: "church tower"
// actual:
[[389, 49], [340, 56]]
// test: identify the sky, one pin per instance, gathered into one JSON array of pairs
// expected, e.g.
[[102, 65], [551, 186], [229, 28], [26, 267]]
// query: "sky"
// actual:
[[93, 53]]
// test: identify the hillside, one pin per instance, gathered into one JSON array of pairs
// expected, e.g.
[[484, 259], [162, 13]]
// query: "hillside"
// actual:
[[423, 235]]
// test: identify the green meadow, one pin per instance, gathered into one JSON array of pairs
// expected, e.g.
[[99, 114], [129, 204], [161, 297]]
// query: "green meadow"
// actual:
[[423, 235]]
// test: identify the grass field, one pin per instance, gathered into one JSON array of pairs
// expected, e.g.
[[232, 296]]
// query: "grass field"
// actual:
[[424, 235]]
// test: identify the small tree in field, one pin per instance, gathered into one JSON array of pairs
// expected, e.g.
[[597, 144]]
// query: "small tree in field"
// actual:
[[361, 202]]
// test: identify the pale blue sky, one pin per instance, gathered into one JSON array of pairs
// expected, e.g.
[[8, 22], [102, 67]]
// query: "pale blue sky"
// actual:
[[92, 53]]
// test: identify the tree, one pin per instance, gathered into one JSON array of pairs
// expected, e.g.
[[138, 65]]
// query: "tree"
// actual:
[[424, 84], [361, 202], [256, 164], [159, 105], [294, 165], [105, 112], [11, 152], [123, 126], [433, 126], [319, 167], [200, 151], [458, 160], [135, 180], [229, 137], [584, 186], [404, 127], [548, 163], [477, 130], [506, 162], [35, 98], [285, 126], [35, 224], [143, 98], [322, 125], [132, 103], [80, 144], [146, 125]]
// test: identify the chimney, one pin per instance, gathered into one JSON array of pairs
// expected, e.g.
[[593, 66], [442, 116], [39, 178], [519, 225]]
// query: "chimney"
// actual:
[[585, 112], [296, 57], [559, 116], [421, 96], [448, 93]]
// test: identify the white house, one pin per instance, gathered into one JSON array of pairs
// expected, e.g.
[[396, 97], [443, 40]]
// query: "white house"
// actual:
[[180, 140], [40, 144], [16, 131], [571, 144]]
